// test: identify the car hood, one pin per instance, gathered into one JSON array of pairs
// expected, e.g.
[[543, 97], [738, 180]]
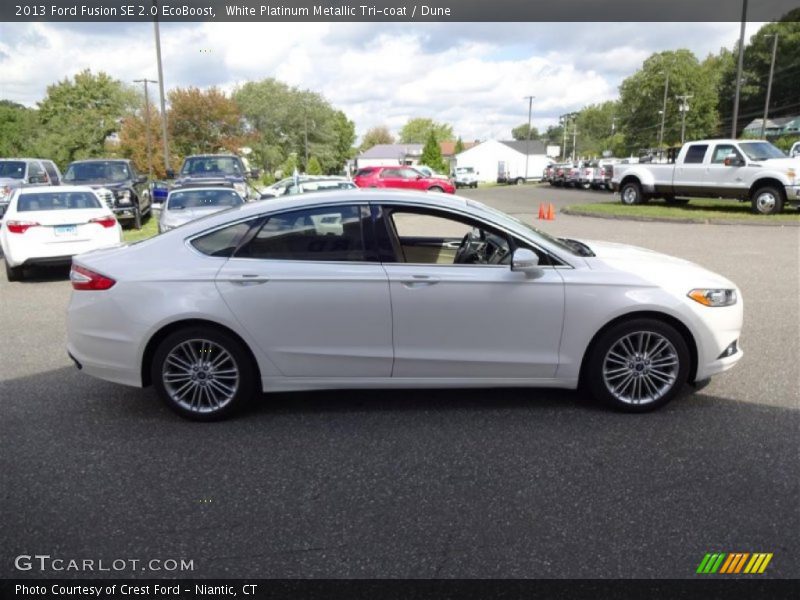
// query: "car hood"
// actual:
[[174, 218], [655, 267], [781, 163], [10, 181]]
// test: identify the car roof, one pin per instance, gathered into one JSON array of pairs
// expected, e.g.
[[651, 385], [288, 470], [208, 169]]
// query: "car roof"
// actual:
[[22, 159], [38, 189], [211, 156], [92, 160]]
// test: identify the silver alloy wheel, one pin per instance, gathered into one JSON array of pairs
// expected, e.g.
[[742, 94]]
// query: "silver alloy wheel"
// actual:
[[200, 376], [765, 202], [640, 367], [630, 195]]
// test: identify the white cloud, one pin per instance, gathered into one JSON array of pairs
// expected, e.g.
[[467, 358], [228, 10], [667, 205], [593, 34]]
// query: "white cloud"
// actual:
[[473, 75]]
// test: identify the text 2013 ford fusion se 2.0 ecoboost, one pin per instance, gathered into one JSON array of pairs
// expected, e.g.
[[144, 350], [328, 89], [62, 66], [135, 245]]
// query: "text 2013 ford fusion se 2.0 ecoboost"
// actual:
[[378, 289]]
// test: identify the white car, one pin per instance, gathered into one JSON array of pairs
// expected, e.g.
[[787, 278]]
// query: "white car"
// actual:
[[190, 203], [49, 225], [466, 177], [390, 289]]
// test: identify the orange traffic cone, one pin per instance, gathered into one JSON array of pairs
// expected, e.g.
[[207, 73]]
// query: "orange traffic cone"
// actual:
[[542, 214], [551, 215]]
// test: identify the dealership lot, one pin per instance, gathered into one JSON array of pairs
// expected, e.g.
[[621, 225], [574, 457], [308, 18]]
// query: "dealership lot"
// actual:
[[480, 483]]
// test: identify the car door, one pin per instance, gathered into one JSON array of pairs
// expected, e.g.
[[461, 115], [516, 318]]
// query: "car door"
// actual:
[[720, 178], [466, 320], [689, 176], [309, 289]]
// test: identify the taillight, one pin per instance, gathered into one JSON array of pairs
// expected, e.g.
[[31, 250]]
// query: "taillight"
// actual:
[[20, 226], [106, 222], [84, 279]]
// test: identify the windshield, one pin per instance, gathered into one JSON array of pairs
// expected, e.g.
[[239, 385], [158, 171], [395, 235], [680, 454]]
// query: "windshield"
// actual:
[[465, 170], [13, 169], [502, 217], [761, 150], [212, 165], [203, 199], [56, 201], [98, 171]]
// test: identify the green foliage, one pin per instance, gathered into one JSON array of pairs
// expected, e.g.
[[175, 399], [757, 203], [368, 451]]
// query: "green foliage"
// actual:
[[18, 126], [432, 154], [459, 147], [77, 115], [203, 121], [520, 132], [313, 167], [289, 166], [417, 131], [785, 142], [594, 129], [376, 135]]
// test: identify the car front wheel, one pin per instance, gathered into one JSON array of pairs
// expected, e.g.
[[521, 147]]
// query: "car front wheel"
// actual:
[[203, 374], [638, 365], [767, 201]]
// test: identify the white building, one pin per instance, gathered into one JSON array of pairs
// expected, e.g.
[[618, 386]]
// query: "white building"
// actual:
[[498, 161]]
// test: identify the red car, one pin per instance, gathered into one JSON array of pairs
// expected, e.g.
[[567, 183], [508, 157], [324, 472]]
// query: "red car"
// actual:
[[401, 177]]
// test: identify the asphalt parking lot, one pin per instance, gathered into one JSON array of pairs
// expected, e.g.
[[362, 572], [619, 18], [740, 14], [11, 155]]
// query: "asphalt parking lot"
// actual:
[[422, 484]]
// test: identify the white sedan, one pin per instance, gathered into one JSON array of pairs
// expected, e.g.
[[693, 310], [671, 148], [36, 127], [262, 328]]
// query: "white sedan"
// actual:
[[408, 290], [49, 225]]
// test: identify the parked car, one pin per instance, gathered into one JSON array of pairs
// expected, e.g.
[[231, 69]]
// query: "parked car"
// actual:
[[187, 204], [405, 178], [393, 290], [466, 177], [118, 185], [602, 172], [22, 172], [328, 184], [572, 175], [49, 225], [752, 171], [431, 174], [586, 174], [558, 175], [214, 169]]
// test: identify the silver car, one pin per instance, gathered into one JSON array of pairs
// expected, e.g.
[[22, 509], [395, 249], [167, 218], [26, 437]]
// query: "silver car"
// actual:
[[187, 204]]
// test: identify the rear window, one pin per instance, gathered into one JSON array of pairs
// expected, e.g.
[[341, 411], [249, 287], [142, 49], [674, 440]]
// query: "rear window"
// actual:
[[222, 242], [695, 154], [13, 169], [364, 172], [57, 201], [203, 199]]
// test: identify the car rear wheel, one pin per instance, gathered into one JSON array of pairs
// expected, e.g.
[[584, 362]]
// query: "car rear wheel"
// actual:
[[631, 193], [203, 374], [435, 188], [14, 273], [638, 365], [767, 201]]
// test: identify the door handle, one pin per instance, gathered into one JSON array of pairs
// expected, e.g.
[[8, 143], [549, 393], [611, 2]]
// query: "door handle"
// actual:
[[419, 281], [248, 279]]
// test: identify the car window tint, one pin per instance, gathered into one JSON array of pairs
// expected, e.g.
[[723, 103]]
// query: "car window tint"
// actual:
[[695, 154], [13, 169], [390, 173], [222, 242], [36, 173], [57, 201], [51, 170], [331, 233]]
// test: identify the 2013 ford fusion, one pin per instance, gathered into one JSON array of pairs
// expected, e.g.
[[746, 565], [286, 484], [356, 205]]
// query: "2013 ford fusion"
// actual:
[[375, 289]]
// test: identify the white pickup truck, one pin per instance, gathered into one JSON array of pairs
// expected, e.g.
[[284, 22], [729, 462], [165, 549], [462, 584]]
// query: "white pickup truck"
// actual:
[[752, 171]]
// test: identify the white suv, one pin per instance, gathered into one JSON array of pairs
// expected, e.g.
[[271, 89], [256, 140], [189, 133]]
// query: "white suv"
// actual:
[[466, 177]]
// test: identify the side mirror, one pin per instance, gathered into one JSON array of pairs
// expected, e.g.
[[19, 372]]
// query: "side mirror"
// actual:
[[170, 174], [141, 179], [524, 260], [255, 173], [733, 161]]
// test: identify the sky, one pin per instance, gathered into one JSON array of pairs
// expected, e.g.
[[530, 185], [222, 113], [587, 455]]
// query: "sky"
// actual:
[[474, 76]]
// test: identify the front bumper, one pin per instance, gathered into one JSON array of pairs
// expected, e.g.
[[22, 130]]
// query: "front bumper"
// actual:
[[793, 194]]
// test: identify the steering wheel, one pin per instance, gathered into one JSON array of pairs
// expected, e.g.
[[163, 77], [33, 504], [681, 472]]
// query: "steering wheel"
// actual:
[[471, 249]]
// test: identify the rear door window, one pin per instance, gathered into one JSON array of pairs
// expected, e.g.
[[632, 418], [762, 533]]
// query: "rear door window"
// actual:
[[36, 173], [52, 171], [695, 154]]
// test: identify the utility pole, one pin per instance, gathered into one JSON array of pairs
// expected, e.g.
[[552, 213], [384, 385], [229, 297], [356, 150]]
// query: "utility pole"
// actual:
[[564, 130], [528, 141], [739, 71], [147, 124], [161, 89], [684, 108], [574, 138], [769, 84], [663, 113], [305, 136], [613, 125]]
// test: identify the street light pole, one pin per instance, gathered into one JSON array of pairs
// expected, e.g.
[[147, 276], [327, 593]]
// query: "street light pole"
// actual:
[[161, 89], [564, 131], [528, 141], [574, 138], [769, 84], [684, 108], [663, 113], [147, 124], [739, 71]]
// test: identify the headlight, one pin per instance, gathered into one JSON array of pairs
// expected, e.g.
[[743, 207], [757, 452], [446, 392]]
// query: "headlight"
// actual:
[[123, 196], [713, 297]]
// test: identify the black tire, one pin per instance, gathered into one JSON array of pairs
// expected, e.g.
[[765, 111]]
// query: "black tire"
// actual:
[[602, 364], [218, 343], [766, 200], [631, 193], [435, 188], [475, 185], [14, 273]]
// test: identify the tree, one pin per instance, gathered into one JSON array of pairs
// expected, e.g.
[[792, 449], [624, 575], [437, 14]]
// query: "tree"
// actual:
[[376, 135], [19, 127], [313, 167], [78, 115], [642, 96], [459, 148], [289, 166], [595, 124], [432, 154], [520, 132], [345, 138], [417, 131], [133, 142], [203, 121]]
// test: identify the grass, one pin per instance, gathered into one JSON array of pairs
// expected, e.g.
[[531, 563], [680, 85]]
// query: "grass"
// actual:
[[149, 229], [700, 210]]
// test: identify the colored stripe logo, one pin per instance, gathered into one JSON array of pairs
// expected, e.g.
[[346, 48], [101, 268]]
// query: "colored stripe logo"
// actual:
[[734, 563]]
